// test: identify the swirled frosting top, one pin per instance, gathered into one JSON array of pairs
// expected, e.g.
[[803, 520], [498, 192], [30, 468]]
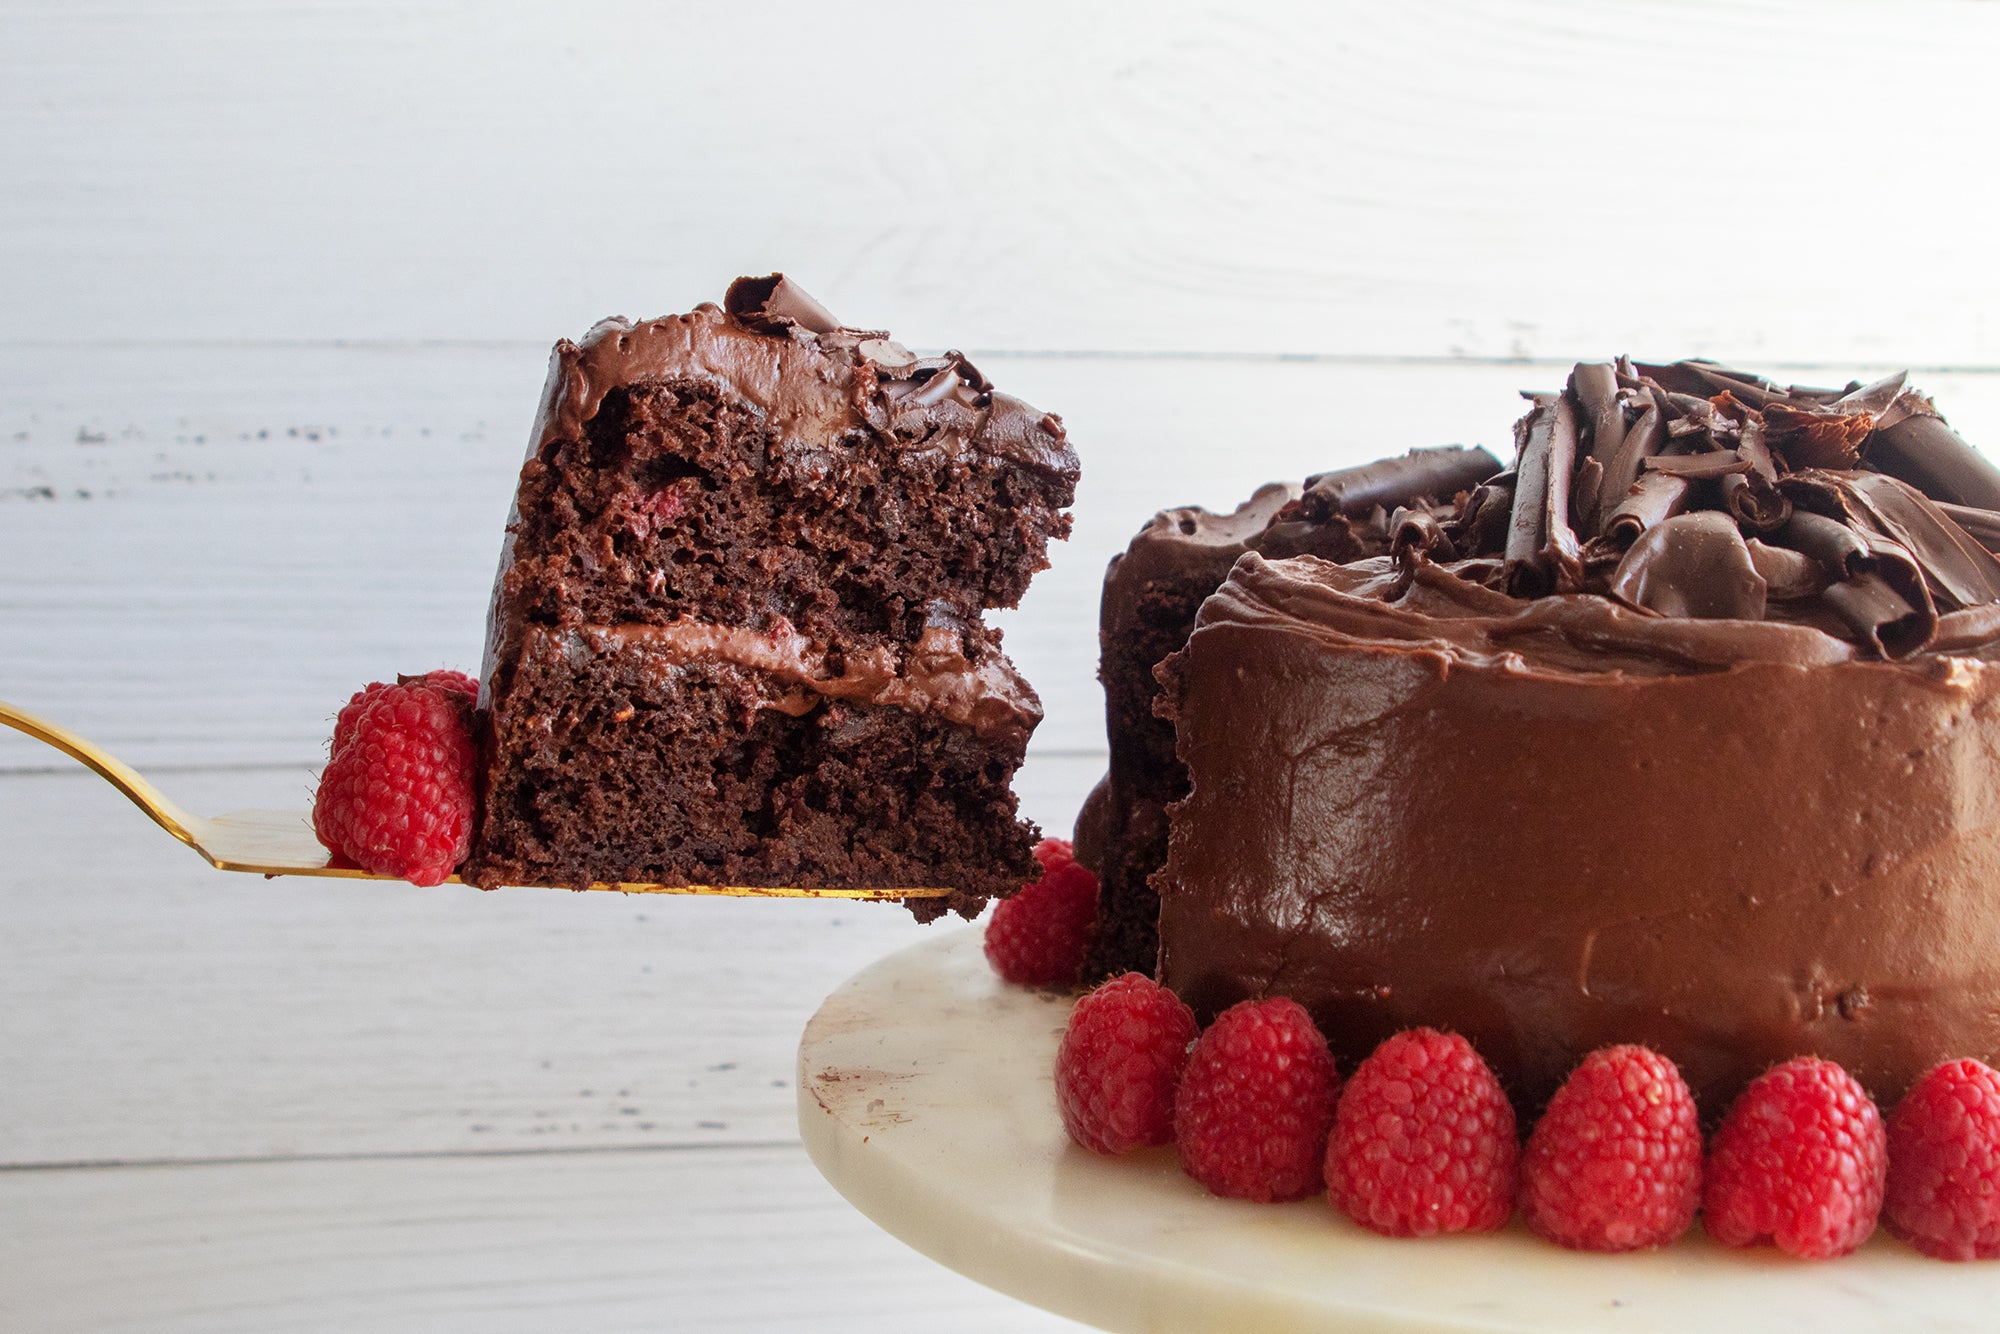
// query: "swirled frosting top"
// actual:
[[1688, 517], [815, 380]]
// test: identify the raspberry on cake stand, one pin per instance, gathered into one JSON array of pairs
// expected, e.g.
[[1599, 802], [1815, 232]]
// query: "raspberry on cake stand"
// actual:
[[927, 1098]]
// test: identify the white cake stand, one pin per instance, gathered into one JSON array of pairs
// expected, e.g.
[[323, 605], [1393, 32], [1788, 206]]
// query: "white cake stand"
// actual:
[[926, 1097]]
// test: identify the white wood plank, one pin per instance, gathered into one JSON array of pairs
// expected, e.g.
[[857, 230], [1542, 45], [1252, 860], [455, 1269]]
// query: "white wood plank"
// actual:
[[202, 554], [1785, 179], [154, 1009], [730, 1239]]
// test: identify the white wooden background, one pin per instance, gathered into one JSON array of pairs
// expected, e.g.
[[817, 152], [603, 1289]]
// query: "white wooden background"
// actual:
[[276, 286]]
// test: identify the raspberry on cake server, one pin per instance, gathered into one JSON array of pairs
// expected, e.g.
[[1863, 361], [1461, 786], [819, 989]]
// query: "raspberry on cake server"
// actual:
[[737, 640]]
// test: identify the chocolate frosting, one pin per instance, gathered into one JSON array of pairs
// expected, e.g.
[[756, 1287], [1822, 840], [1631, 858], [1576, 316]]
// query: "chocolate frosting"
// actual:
[[792, 674], [816, 381], [1559, 823]]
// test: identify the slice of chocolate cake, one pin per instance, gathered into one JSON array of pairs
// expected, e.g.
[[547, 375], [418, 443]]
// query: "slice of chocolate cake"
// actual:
[[736, 636], [1151, 594]]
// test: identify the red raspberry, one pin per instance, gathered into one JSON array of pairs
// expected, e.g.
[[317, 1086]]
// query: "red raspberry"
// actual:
[[457, 682], [1799, 1160], [1037, 938], [1944, 1163], [1256, 1102], [1120, 1062], [1615, 1162], [397, 798], [1424, 1142]]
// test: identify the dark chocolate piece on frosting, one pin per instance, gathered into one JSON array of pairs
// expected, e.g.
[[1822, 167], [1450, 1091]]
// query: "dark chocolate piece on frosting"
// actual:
[[1693, 565], [1543, 554], [1925, 452], [774, 304]]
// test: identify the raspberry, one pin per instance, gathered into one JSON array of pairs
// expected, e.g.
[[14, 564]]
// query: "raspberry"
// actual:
[[1256, 1102], [397, 797], [1615, 1162], [1799, 1160], [1944, 1163], [1037, 938], [1120, 1062], [343, 726], [1424, 1142]]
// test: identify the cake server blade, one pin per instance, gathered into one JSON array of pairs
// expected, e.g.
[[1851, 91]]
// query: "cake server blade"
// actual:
[[272, 843]]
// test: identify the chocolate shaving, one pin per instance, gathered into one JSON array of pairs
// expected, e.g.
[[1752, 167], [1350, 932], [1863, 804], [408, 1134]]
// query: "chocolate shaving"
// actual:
[[1595, 386], [1691, 565], [1789, 576], [1815, 439], [1877, 589], [1883, 617], [1585, 490], [1983, 525], [1439, 474], [1717, 463], [1646, 438], [774, 304], [1922, 450], [1542, 550], [1958, 571], [1653, 499], [1754, 503], [1486, 514], [1416, 532]]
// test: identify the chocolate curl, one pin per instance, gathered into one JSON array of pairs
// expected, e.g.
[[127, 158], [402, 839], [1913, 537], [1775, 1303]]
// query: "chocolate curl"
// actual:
[[1809, 439], [1922, 450], [1754, 503], [1646, 437], [1697, 467], [1439, 473], [1542, 550], [1487, 512], [1416, 532], [773, 304], [1751, 389], [1878, 591], [1585, 492], [1691, 565], [1873, 399], [1750, 444], [1789, 576], [1982, 525], [1653, 499], [1595, 386], [1958, 571]]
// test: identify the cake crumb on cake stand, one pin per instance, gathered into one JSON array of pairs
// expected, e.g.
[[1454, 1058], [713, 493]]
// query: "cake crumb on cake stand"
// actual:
[[926, 1098]]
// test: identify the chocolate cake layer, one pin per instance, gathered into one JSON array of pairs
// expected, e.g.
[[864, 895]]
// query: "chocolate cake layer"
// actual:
[[1151, 593], [735, 636], [696, 753], [762, 462]]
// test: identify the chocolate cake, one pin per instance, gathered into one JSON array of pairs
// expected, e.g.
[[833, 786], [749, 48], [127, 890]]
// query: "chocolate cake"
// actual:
[[1151, 594], [737, 637], [1685, 730]]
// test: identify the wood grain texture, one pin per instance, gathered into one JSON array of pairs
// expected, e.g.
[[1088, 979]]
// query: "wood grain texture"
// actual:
[[1775, 180], [153, 1009], [693, 1240]]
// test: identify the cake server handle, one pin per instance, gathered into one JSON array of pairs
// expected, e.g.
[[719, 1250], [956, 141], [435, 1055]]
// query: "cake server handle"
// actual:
[[272, 843]]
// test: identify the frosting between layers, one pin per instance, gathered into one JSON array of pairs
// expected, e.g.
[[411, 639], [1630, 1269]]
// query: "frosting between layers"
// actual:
[[815, 382], [931, 676]]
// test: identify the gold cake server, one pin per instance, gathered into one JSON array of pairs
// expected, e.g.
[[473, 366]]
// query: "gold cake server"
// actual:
[[282, 842]]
